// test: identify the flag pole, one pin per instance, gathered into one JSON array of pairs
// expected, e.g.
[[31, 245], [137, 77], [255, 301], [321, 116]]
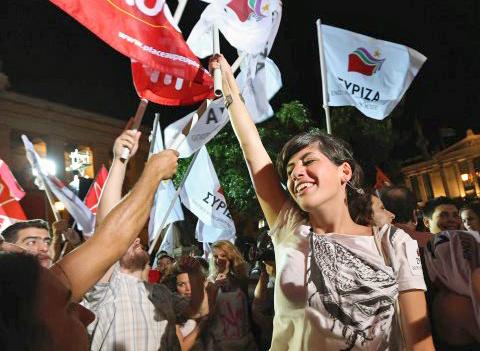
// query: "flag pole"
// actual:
[[172, 203], [137, 120], [217, 74], [324, 77], [179, 10], [56, 214], [238, 61], [156, 122]]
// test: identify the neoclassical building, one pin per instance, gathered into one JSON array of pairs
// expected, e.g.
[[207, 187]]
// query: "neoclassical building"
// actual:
[[56, 131], [452, 172]]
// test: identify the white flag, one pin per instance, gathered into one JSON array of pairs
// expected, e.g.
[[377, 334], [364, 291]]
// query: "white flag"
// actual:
[[208, 125], [247, 25], [203, 196], [258, 81], [208, 234], [367, 73], [168, 242], [163, 198], [79, 211]]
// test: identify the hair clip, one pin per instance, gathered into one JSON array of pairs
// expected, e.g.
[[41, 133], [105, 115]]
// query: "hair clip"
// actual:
[[359, 191]]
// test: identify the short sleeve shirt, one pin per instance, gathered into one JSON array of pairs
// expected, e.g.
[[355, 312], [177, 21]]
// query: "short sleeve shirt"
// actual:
[[335, 291]]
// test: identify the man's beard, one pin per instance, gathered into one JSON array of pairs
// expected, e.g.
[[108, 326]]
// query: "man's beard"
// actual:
[[135, 262]]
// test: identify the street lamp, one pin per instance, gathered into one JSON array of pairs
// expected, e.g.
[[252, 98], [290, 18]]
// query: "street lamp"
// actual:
[[464, 177]]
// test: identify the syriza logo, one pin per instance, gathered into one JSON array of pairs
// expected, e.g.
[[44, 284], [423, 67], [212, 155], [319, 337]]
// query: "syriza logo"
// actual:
[[361, 61], [246, 9]]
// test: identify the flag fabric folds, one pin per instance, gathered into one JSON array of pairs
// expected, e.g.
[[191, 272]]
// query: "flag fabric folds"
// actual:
[[93, 195], [168, 242], [259, 80], [77, 209], [163, 197], [203, 195], [208, 234], [246, 24], [146, 33], [208, 125], [10, 193], [370, 74], [165, 89]]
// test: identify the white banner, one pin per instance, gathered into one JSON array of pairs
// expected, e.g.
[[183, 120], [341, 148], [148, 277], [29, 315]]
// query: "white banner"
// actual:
[[367, 73], [163, 197], [203, 196], [208, 125], [247, 25], [208, 234], [79, 211], [168, 242], [259, 80]]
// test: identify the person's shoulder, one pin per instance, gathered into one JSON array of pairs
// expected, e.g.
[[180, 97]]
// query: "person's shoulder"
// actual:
[[394, 235], [289, 218]]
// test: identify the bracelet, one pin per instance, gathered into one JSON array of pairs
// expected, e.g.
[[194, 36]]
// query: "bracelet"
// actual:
[[229, 100]]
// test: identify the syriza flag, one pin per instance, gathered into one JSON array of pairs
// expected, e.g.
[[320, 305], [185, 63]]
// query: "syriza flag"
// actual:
[[79, 211], [144, 31], [208, 234], [163, 197], [203, 195], [246, 24], [370, 74], [259, 80], [208, 125], [10, 194]]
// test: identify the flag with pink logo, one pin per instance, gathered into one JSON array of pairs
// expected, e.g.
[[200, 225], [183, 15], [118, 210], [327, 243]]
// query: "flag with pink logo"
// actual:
[[370, 74], [248, 25]]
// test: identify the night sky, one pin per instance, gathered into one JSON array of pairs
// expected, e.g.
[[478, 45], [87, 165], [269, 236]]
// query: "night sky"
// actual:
[[47, 54]]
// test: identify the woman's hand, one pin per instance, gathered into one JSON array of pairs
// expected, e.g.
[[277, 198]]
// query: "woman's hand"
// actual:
[[129, 139], [219, 61]]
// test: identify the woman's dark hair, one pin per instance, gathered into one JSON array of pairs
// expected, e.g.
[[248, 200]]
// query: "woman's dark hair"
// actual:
[[20, 328], [335, 149], [474, 206], [361, 210], [196, 276]]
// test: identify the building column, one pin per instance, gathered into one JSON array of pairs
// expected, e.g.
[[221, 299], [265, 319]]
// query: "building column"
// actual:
[[471, 171], [421, 185], [444, 180], [461, 188]]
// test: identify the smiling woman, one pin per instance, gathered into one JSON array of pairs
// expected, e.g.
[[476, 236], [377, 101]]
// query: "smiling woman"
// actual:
[[339, 284]]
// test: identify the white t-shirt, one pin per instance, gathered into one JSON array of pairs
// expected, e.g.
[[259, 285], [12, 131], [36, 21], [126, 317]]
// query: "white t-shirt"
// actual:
[[340, 295], [451, 257]]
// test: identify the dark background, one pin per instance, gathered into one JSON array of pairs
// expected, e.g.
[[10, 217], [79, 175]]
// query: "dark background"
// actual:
[[47, 54]]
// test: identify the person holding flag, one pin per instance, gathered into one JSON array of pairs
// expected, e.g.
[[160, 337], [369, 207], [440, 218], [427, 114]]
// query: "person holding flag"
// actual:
[[39, 306], [340, 285]]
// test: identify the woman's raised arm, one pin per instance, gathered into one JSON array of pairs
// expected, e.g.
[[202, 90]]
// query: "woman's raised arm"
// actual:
[[264, 177]]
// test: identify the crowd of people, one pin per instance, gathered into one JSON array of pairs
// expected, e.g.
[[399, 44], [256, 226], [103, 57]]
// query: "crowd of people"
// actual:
[[349, 268]]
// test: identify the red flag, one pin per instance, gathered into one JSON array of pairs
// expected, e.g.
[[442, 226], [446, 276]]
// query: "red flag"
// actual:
[[93, 195], [382, 179], [141, 31], [10, 194], [165, 89]]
